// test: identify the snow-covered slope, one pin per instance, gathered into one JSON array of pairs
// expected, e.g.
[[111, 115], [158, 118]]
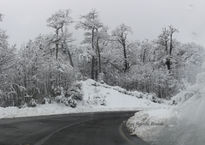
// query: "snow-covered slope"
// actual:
[[190, 127], [182, 124], [116, 97], [96, 97]]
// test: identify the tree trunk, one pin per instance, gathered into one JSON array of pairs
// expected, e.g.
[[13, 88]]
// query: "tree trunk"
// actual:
[[92, 68], [168, 63], [57, 44], [171, 45], [70, 58], [69, 54], [166, 47], [125, 56], [93, 58], [144, 56], [99, 56], [96, 70]]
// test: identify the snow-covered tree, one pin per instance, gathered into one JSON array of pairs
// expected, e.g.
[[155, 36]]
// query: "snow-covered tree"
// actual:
[[7, 63], [59, 22], [93, 35], [172, 30], [40, 73], [163, 40], [120, 34]]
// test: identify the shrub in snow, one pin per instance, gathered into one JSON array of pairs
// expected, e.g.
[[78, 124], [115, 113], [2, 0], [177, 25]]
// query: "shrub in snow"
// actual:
[[34, 92], [56, 91], [6, 99], [72, 103], [75, 92], [18, 94], [71, 96], [68, 101], [31, 103], [97, 100], [22, 96], [46, 101]]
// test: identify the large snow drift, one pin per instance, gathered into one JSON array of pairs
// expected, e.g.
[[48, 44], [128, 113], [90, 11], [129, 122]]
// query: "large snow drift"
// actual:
[[149, 123], [178, 125], [190, 127]]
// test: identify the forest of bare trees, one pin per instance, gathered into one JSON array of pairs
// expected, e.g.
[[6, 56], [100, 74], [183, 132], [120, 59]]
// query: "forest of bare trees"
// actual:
[[51, 64]]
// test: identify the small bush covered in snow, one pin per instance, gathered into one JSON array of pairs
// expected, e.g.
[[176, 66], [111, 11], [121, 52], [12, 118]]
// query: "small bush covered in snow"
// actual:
[[97, 100], [75, 92], [18, 96], [71, 97]]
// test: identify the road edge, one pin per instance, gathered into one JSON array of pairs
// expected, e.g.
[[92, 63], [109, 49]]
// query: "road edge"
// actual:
[[129, 138]]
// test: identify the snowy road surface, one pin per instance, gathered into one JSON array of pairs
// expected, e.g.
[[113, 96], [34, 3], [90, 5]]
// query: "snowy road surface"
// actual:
[[73, 129]]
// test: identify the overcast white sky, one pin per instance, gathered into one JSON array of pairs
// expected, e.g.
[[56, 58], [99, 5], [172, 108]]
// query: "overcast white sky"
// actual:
[[25, 19]]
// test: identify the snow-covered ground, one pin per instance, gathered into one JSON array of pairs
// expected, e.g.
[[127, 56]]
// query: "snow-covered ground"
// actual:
[[148, 124], [116, 97], [182, 124], [96, 97]]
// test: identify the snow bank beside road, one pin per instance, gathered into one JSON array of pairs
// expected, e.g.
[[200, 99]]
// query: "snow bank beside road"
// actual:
[[153, 124], [96, 97], [148, 124], [187, 124]]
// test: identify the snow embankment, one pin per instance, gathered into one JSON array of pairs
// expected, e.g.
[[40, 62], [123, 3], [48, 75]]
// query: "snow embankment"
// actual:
[[97, 94], [148, 124], [96, 97], [153, 125]]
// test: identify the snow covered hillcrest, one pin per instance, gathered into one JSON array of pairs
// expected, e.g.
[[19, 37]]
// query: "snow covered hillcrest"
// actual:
[[116, 97], [95, 97]]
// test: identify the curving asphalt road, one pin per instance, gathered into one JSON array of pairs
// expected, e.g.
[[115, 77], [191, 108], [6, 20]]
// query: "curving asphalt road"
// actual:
[[74, 129]]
